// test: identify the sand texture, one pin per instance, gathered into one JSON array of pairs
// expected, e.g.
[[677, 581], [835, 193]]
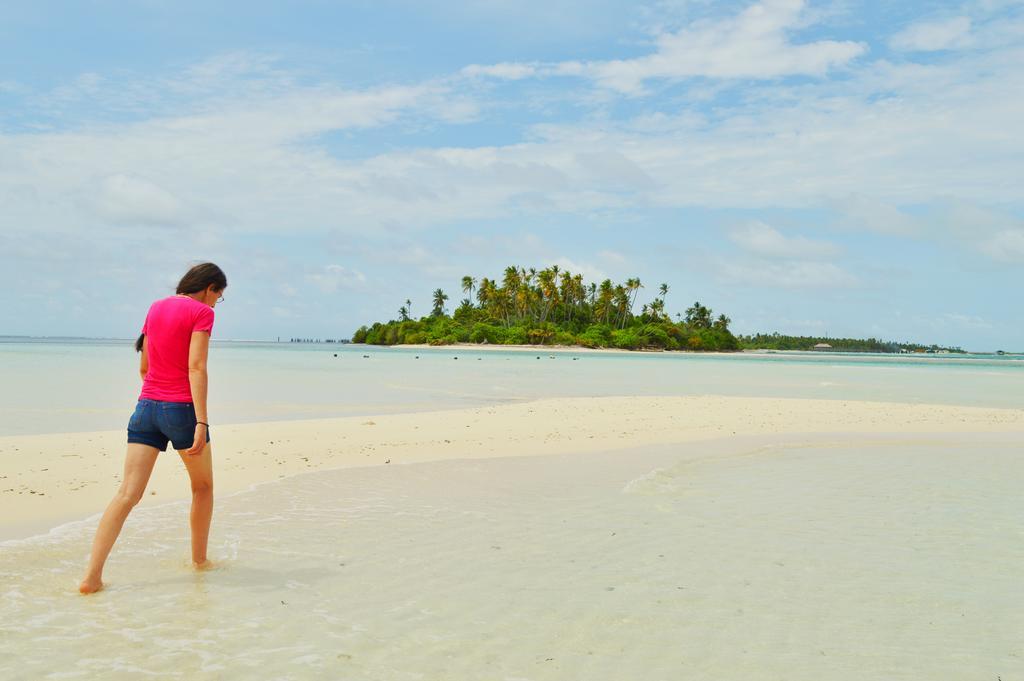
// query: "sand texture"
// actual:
[[50, 479]]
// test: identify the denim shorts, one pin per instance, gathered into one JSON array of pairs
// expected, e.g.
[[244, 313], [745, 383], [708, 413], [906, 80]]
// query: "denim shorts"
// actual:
[[155, 423]]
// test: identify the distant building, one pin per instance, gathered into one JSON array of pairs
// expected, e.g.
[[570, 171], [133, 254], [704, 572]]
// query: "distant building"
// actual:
[[822, 346]]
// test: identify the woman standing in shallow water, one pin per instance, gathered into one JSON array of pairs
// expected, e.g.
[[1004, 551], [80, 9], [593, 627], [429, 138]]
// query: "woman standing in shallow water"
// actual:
[[172, 408]]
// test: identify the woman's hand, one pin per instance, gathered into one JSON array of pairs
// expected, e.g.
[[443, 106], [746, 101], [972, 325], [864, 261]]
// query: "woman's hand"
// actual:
[[199, 443]]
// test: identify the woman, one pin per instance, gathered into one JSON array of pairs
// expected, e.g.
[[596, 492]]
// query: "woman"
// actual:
[[172, 408]]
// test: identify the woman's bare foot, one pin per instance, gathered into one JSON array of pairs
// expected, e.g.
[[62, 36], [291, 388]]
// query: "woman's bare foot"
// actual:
[[204, 565], [90, 585]]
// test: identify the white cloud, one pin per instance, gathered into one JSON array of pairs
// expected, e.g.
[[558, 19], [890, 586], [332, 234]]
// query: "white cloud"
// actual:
[[790, 274], [763, 240], [503, 71], [778, 261], [971, 222], [613, 171], [333, 278], [135, 200], [306, 111], [590, 272], [253, 159], [752, 44], [1005, 246], [930, 36], [84, 86], [864, 213], [614, 258]]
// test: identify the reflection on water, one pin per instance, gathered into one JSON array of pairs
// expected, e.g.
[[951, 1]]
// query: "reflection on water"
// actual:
[[259, 382], [736, 560]]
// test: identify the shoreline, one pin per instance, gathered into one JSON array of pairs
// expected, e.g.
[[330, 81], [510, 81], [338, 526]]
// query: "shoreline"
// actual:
[[760, 352], [564, 349], [54, 479]]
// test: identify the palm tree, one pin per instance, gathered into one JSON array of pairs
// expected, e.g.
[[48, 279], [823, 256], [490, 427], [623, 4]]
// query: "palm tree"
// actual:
[[408, 306], [632, 286], [622, 304], [403, 313], [604, 299], [509, 292], [548, 290], [439, 299], [568, 295], [699, 316], [468, 284], [658, 308]]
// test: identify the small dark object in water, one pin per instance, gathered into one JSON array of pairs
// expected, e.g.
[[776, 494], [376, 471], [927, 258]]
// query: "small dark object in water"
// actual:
[[417, 356], [366, 357], [479, 358], [575, 358], [455, 358], [538, 356], [388, 461], [335, 354]]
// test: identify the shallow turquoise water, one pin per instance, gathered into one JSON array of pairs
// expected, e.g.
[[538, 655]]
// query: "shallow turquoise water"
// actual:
[[68, 386]]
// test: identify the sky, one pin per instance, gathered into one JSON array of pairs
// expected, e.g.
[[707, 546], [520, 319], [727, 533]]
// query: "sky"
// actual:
[[840, 168]]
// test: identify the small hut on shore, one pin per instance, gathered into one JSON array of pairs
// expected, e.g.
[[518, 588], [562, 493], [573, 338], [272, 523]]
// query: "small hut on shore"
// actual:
[[822, 347]]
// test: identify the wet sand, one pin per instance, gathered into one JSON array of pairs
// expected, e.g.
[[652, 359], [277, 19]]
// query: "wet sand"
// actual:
[[832, 556]]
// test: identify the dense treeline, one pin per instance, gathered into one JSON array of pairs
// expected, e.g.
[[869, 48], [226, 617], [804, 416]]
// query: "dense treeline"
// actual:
[[776, 341], [554, 307]]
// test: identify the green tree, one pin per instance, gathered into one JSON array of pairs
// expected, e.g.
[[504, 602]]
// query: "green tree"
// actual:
[[439, 300], [698, 316], [468, 284]]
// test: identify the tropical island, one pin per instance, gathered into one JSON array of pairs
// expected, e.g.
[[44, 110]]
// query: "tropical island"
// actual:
[[552, 306], [555, 307]]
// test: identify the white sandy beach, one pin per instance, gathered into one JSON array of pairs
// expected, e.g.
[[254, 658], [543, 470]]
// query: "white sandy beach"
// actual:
[[51, 479], [590, 538], [598, 539]]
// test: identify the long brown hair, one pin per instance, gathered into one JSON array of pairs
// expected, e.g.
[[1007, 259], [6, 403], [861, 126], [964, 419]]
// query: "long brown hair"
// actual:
[[202, 276]]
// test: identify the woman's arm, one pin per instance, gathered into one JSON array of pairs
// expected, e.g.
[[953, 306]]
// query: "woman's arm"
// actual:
[[198, 349], [144, 359]]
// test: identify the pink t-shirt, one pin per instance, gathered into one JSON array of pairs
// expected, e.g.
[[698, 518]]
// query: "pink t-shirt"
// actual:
[[168, 328]]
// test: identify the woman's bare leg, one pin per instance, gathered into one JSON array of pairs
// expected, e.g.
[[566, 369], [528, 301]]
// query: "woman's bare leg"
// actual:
[[138, 465], [200, 472]]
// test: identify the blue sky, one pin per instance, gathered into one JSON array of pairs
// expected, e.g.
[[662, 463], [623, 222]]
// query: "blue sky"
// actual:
[[841, 168]]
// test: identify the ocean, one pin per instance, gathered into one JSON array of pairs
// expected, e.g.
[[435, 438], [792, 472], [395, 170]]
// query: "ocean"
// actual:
[[86, 385]]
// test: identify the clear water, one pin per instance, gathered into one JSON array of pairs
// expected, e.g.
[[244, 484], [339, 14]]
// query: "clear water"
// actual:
[[69, 386], [853, 559]]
